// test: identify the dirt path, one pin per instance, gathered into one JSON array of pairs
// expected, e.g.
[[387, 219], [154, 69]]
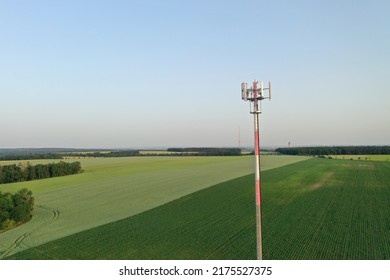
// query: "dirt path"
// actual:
[[19, 241]]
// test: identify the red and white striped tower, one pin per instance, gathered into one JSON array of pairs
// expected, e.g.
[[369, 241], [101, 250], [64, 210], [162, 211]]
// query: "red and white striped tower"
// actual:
[[255, 95], [256, 113]]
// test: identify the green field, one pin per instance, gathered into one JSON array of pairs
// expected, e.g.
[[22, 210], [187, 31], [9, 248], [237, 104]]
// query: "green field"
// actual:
[[111, 189], [314, 209]]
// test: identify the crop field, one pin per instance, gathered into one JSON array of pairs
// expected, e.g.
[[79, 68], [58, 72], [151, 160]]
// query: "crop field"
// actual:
[[313, 209], [111, 189]]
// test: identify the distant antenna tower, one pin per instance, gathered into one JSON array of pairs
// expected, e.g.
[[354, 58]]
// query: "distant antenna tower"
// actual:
[[289, 144], [239, 137], [254, 95]]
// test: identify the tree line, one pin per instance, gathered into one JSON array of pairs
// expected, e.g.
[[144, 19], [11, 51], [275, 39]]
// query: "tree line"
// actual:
[[172, 152], [15, 208], [121, 153], [30, 156], [207, 151], [335, 150], [27, 172]]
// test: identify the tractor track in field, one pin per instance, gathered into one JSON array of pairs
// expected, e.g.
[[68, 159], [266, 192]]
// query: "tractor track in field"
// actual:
[[19, 241]]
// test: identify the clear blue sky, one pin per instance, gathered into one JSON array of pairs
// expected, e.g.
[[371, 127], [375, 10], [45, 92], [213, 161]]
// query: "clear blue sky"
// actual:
[[168, 73]]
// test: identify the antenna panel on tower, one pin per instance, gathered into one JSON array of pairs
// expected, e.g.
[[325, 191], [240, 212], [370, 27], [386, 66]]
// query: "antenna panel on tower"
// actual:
[[261, 89], [244, 94], [269, 90]]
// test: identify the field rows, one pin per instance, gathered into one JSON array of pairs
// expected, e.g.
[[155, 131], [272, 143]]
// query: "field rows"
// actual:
[[115, 188], [345, 218], [315, 209]]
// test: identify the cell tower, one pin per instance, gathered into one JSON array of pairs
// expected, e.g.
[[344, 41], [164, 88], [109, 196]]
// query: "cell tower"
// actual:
[[254, 95], [239, 137]]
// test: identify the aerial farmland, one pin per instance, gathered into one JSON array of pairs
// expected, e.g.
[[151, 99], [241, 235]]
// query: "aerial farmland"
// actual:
[[202, 208], [115, 188], [230, 133]]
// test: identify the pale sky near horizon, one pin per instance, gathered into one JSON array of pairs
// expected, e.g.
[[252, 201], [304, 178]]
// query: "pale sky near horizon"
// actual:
[[106, 74]]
